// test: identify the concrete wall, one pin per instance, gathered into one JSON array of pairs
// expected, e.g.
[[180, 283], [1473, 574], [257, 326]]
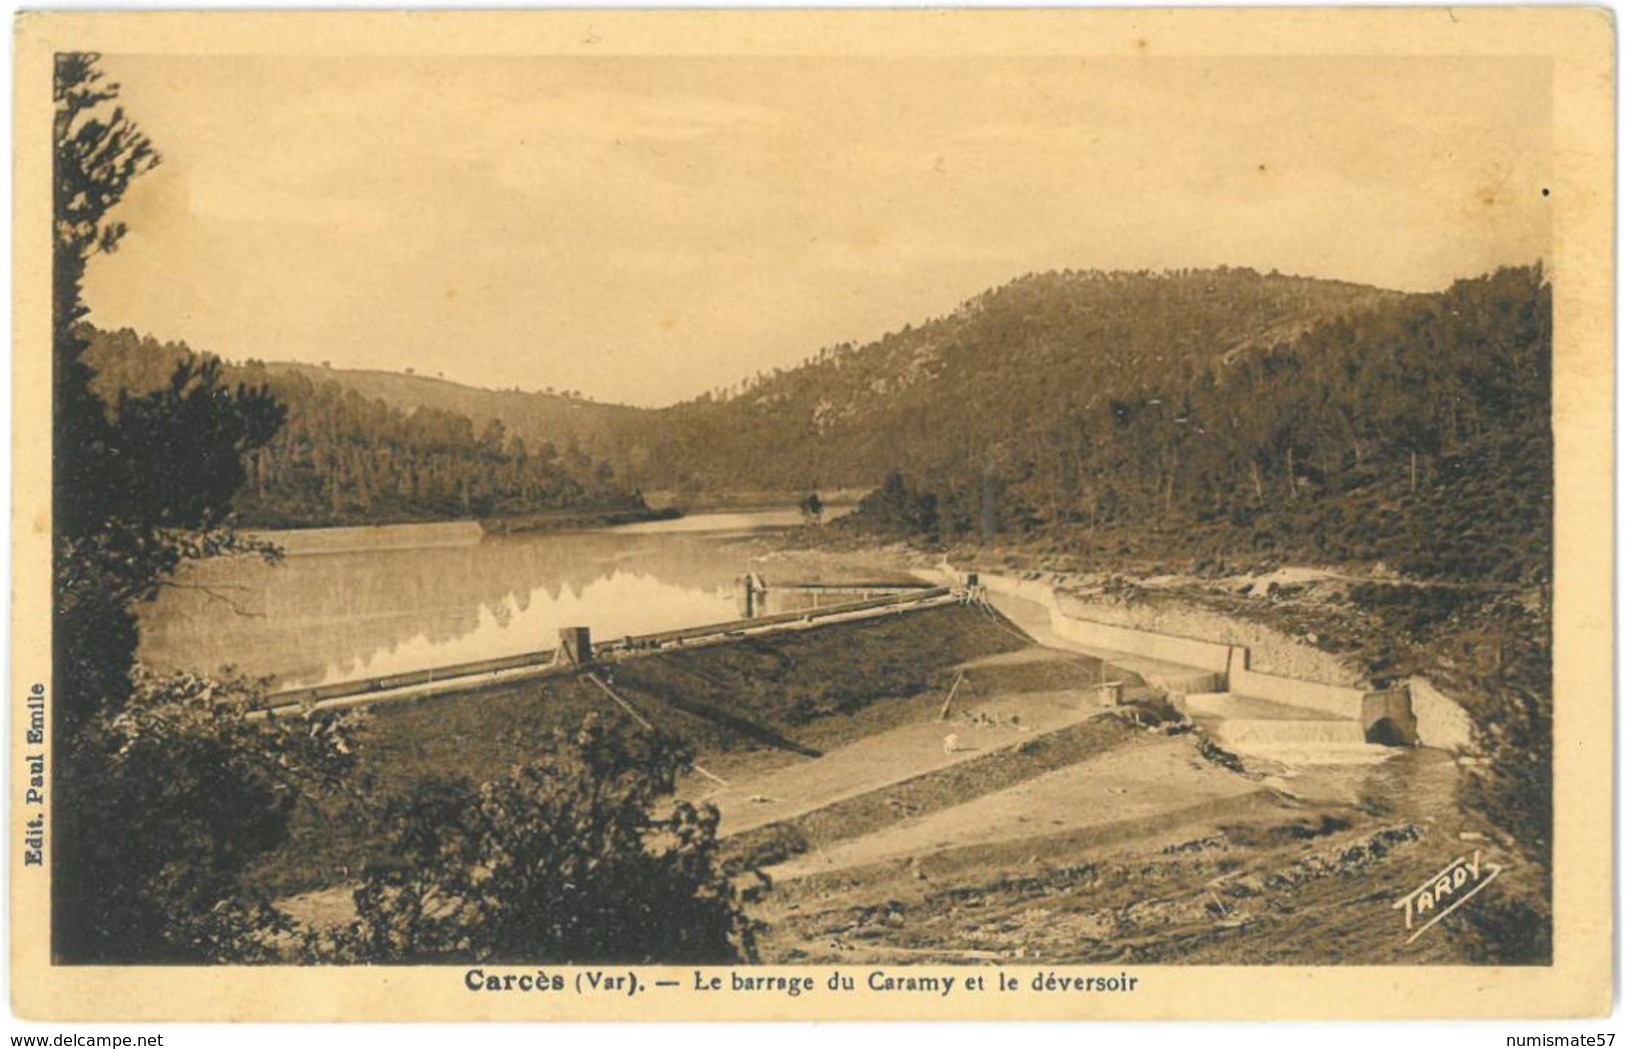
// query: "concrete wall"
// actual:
[[1434, 719], [1187, 651], [1341, 700], [1440, 720], [1026, 589], [1269, 650], [1182, 650]]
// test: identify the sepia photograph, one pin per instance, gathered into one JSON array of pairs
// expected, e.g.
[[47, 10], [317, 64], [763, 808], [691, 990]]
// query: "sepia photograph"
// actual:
[[813, 515]]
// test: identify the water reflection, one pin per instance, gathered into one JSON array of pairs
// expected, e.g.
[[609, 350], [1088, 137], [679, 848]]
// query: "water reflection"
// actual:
[[367, 611]]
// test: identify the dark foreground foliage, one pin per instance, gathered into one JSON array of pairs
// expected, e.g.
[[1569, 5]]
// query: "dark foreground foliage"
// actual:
[[562, 860], [169, 801], [164, 790]]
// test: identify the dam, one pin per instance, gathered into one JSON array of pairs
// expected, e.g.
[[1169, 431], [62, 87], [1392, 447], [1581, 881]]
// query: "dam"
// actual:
[[1216, 684]]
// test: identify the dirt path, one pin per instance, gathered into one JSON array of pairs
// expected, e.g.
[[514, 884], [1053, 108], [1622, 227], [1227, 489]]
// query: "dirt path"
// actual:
[[896, 755], [1147, 778]]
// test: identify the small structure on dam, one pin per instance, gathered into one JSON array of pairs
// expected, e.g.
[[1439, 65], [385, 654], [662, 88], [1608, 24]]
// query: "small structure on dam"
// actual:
[[575, 645]]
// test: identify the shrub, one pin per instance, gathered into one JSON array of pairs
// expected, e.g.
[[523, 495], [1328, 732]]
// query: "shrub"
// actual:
[[170, 801], [563, 860]]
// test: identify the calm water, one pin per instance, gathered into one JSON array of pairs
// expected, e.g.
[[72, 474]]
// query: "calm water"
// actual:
[[350, 603]]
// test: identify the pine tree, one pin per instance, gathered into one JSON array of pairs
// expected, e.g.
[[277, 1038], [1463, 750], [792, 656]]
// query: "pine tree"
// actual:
[[163, 789]]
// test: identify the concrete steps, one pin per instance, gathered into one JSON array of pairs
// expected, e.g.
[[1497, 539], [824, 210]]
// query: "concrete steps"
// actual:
[[1280, 732], [1296, 733], [1227, 705]]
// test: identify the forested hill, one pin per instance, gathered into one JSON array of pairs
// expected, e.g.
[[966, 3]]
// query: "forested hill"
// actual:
[[1185, 413], [986, 389], [1416, 434], [556, 416], [342, 457]]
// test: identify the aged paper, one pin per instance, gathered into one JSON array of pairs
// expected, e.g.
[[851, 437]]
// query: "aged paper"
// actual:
[[763, 180]]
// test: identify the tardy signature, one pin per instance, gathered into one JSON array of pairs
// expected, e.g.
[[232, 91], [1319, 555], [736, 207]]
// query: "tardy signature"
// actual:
[[1462, 879]]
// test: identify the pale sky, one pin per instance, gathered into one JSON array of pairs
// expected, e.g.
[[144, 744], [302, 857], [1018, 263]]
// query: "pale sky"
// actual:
[[644, 229]]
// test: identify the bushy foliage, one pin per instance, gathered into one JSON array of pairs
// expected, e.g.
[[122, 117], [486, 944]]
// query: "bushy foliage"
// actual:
[[562, 860], [899, 509], [165, 790], [185, 791], [143, 481], [1505, 664]]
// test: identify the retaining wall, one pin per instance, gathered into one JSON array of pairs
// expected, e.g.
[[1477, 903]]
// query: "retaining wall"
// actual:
[[1187, 651], [1435, 720], [1343, 700], [1440, 720], [1165, 647], [1269, 650]]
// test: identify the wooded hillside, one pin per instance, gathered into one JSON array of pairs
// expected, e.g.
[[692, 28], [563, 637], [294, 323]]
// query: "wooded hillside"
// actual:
[[1416, 433], [991, 387], [343, 458]]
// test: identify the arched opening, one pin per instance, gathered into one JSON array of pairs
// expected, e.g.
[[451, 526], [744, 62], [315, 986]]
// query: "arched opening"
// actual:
[[1387, 732]]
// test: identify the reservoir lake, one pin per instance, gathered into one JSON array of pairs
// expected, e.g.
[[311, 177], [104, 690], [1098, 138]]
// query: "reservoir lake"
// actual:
[[348, 603]]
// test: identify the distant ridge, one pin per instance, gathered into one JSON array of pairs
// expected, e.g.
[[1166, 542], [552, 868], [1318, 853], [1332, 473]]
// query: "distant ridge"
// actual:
[[371, 448], [984, 383], [988, 389], [536, 416], [1010, 362]]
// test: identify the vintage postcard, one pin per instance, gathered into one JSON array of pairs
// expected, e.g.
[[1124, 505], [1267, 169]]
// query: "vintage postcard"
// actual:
[[813, 515]]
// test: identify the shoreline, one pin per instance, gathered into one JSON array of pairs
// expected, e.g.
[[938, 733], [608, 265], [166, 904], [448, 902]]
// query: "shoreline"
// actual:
[[553, 520]]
